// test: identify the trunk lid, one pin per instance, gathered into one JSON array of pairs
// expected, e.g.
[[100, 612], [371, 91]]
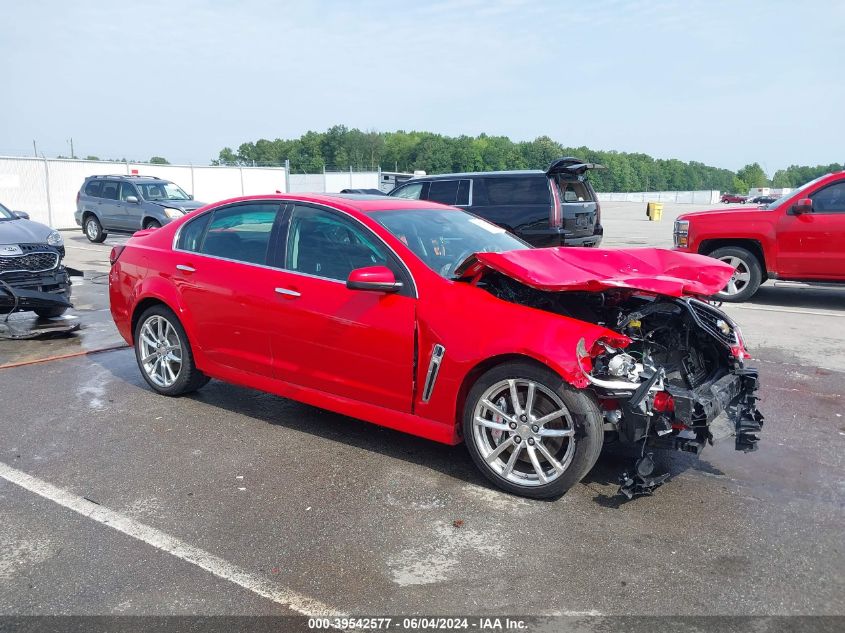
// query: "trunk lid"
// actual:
[[592, 269]]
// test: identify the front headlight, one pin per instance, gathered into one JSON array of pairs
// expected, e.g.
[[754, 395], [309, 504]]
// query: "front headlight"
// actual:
[[681, 233], [173, 213], [55, 239]]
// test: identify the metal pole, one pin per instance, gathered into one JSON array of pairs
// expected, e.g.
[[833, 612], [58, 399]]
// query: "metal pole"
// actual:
[[193, 188], [287, 176], [34, 149], [241, 169], [47, 184]]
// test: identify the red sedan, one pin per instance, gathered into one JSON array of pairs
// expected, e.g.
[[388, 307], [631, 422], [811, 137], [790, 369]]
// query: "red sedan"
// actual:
[[429, 320]]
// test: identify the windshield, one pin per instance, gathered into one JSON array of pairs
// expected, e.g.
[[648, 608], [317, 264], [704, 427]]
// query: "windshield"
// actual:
[[5, 214], [443, 239], [787, 196], [161, 191]]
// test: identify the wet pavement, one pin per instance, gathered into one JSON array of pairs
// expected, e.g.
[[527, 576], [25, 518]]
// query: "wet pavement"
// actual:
[[366, 520]]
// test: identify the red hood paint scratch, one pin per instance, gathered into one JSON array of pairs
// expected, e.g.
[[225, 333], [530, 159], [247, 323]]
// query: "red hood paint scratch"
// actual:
[[592, 269]]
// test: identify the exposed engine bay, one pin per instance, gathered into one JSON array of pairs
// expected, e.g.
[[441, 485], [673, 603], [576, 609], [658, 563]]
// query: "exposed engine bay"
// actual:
[[681, 382]]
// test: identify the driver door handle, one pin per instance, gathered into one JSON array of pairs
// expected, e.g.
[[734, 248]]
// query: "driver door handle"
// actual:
[[186, 268], [288, 293]]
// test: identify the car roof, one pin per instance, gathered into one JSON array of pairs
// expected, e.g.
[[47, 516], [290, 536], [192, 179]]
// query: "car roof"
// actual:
[[513, 173], [132, 177], [362, 203]]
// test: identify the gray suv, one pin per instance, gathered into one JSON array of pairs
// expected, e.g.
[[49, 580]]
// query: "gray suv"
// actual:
[[125, 204]]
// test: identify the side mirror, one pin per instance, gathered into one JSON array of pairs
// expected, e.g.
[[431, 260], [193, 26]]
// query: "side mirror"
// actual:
[[23, 215], [190, 196], [378, 278], [132, 199], [804, 205]]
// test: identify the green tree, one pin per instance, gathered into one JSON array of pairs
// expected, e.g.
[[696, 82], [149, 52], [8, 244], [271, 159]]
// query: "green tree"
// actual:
[[753, 176], [158, 160]]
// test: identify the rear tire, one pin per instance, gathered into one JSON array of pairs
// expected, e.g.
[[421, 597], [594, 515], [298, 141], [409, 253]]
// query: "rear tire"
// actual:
[[164, 354], [747, 277], [93, 229], [557, 439], [152, 224]]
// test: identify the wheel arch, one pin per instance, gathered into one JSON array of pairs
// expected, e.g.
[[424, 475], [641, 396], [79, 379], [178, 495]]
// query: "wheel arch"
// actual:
[[143, 305], [751, 245], [485, 365]]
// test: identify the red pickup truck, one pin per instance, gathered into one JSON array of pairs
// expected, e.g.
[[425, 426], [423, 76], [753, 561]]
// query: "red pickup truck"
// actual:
[[799, 237]]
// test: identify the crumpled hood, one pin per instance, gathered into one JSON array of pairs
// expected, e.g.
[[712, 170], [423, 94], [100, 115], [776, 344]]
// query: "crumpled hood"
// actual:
[[654, 270], [23, 232]]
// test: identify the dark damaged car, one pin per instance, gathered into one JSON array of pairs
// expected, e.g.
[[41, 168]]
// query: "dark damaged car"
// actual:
[[432, 321], [32, 276]]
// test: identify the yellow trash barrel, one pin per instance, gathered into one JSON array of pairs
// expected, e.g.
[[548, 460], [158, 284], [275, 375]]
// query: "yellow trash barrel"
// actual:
[[654, 210]]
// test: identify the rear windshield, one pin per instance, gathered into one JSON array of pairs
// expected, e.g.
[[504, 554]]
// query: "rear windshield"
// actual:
[[573, 190]]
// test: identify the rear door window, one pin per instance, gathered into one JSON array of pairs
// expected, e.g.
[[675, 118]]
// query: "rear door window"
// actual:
[[109, 189], [241, 232], [190, 237], [93, 188], [454, 192], [443, 191]]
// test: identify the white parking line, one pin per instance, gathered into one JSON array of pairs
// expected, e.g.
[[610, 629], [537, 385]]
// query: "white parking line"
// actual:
[[170, 544]]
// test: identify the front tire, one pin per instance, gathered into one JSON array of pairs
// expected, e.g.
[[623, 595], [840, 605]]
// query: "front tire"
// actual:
[[93, 230], [529, 432], [747, 275], [164, 353], [152, 224]]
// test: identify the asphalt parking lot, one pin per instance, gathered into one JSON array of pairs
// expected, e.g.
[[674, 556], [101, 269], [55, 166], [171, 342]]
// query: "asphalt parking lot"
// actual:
[[231, 501]]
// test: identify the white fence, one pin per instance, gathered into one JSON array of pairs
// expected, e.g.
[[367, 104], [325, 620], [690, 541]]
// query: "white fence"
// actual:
[[334, 181], [47, 188], [681, 197]]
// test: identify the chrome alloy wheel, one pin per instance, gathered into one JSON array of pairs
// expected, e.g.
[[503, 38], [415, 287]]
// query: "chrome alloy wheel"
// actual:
[[524, 432], [91, 230], [160, 351], [741, 277]]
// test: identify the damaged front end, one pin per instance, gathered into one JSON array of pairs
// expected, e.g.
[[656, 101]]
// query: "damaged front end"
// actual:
[[680, 382], [32, 277]]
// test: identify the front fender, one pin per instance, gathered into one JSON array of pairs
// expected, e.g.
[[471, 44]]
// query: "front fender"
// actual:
[[478, 327]]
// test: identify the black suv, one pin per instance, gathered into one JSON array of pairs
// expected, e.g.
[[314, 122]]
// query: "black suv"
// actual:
[[556, 207]]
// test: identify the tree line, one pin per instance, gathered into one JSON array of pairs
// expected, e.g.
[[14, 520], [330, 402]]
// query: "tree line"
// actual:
[[340, 148]]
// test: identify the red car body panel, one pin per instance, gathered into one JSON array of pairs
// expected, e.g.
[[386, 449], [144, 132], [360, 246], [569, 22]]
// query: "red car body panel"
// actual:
[[363, 353], [648, 269], [807, 246]]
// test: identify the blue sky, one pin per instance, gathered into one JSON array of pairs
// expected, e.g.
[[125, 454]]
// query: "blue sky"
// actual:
[[725, 83]]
